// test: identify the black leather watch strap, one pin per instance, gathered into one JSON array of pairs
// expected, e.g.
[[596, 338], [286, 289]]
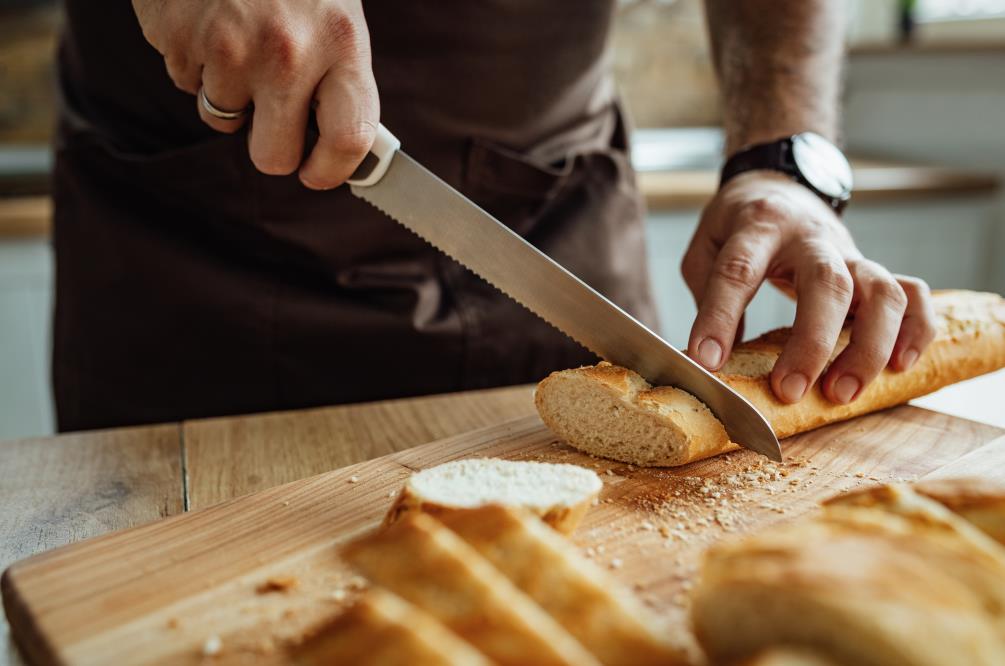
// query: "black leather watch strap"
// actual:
[[775, 156]]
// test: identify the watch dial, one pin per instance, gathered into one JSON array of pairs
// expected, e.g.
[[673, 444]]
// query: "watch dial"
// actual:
[[822, 164]]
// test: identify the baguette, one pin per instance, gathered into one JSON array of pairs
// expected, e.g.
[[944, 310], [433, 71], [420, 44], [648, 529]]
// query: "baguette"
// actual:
[[427, 564], [591, 606], [901, 581], [970, 341], [559, 494], [383, 630], [613, 412]]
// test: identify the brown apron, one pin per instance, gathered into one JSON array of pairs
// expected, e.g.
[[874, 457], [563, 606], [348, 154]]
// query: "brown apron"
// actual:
[[190, 285]]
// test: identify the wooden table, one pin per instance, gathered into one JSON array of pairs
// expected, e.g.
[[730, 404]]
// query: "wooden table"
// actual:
[[56, 490]]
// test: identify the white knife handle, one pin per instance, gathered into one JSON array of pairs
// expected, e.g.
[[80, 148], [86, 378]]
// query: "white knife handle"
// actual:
[[374, 165]]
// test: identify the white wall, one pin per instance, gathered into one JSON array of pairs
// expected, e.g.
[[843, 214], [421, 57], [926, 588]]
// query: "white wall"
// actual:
[[25, 303]]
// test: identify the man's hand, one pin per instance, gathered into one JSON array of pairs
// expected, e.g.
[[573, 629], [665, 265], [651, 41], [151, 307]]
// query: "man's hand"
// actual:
[[282, 57], [762, 225]]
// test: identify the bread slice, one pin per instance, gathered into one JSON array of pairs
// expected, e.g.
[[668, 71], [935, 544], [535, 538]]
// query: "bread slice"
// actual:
[[786, 656], [613, 412], [427, 564], [381, 629], [605, 617], [906, 583], [560, 494], [978, 501]]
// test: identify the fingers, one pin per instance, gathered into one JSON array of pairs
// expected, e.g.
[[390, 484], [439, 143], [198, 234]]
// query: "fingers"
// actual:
[[878, 316], [226, 94], [731, 282], [347, 115], [276, 142], [697, 262], [824, 291], [917, 329], [185, 73]]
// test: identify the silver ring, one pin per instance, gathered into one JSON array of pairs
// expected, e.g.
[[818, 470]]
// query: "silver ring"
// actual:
[[219, 113]]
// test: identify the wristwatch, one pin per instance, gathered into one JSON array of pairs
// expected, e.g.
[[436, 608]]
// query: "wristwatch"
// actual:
[[807, 158]]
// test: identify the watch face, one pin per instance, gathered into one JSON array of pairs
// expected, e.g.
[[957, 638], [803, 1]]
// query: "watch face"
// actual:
[[822, 165]]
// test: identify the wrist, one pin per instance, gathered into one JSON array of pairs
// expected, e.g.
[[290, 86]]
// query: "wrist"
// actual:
[[806, 158]]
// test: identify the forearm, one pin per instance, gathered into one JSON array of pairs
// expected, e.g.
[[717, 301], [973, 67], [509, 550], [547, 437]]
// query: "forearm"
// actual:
[[779, 67]]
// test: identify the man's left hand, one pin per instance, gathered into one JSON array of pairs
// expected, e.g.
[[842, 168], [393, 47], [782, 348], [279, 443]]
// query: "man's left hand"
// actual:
[[764, 226]]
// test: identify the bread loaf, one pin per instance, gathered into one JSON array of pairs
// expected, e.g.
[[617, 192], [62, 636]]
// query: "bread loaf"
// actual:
[[383, 630], [888, 579], [430, 566], [560, 494], [613, 412], [970, 341], [603, 616]]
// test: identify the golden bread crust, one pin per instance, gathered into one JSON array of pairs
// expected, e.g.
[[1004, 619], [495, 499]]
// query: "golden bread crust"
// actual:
[[636, 423]]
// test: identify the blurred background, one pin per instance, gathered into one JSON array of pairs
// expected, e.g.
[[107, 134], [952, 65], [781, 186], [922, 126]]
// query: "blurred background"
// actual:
[[924, 124]]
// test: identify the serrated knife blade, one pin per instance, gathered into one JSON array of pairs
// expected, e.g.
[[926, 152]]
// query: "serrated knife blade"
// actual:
[[416, 198]]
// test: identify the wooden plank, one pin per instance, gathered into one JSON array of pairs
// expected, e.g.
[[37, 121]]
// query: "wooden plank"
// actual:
[[25, 217], [987, 462], [229, 457], [59, 490], [156, 593], [875, 182]]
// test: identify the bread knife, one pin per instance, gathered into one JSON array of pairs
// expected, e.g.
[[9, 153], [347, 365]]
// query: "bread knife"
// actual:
[[413, 196]]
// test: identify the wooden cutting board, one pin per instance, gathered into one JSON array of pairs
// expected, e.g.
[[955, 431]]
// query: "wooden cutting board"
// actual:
[[251, 575]]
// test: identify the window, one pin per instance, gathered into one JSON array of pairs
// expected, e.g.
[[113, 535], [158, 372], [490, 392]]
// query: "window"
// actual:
[[959, 10]]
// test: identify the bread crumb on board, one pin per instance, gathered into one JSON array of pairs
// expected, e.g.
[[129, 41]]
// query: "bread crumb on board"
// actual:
[[212, 647], [277, 584]]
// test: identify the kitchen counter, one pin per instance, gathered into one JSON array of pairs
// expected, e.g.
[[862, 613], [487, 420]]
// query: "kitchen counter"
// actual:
[[65, 488], [670, 189], [876, 181]]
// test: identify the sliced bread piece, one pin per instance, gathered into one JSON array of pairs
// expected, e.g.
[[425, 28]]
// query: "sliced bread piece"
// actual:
[[381, 629], [606, 618], [902, 583], [560, 494], [613, 412], [427, 564]]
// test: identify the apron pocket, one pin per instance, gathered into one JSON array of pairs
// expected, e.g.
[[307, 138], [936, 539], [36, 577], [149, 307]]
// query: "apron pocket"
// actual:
[[510, 185], [517, 186]]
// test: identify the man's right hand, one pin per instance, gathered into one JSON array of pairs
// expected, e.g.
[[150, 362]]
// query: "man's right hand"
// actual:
[[280, 56]]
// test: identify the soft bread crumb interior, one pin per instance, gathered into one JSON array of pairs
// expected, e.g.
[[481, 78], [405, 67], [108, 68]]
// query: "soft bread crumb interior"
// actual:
[[600, 422], [480, 481], [749, 363]]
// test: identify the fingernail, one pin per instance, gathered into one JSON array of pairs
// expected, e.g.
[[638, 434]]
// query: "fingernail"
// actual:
[[908, 358], [794, 386], [845, 388], [709, 353]]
